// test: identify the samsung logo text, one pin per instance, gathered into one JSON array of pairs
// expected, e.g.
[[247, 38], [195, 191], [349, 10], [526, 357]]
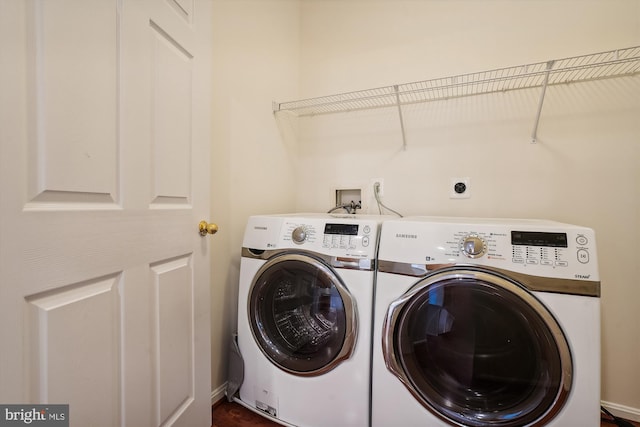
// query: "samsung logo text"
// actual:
[[406, 236]]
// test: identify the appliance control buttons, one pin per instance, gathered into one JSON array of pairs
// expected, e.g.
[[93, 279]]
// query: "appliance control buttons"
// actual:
[[299, 234], [473, 246], [334, 241], [581, 240], [583, 256]]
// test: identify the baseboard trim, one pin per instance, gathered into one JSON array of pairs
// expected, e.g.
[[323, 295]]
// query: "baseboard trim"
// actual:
[[626, 412], [218, 393]]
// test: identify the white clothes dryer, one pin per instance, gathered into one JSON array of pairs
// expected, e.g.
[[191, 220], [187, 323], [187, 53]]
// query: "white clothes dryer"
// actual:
[[482, 322], [305, 309]]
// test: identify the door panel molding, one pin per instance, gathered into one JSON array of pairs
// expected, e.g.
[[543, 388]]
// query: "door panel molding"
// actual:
[[71, 324], [173, 336], [72, 102]]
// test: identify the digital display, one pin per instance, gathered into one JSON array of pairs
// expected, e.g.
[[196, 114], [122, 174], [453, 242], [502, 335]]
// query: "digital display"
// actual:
[[537, 238], [342, 229]]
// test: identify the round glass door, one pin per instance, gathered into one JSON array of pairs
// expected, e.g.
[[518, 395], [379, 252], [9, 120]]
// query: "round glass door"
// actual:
[[301, 314], [477, 349]]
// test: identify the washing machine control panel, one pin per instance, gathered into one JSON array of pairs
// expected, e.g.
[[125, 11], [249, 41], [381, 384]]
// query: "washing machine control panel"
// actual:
[[299, 234], [339, 238]]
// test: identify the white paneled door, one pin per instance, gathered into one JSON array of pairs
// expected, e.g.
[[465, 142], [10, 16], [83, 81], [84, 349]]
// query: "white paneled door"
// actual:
[[104, 139]]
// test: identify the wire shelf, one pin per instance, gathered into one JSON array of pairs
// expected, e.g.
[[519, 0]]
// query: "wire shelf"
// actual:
[[615, 63]]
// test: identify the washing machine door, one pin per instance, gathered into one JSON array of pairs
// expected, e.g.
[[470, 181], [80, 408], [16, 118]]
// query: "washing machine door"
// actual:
[[301, 314], [477, 349]]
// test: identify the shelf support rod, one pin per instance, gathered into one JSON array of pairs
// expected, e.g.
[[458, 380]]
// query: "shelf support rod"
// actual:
[[404, 138], [534, 134]]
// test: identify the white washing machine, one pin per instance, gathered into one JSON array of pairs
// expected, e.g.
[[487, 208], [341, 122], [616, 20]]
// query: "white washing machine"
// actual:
[[305, 308], [482, 322]]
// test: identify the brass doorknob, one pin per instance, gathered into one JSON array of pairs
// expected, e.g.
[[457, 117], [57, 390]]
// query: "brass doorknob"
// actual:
[[207, 228]]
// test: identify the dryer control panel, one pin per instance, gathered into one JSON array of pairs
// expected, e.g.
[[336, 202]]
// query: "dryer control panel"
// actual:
[[541, 248], [549, 249]]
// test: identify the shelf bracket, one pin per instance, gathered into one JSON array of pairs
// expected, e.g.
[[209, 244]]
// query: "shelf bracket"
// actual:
[[534, 134], [404, 137]]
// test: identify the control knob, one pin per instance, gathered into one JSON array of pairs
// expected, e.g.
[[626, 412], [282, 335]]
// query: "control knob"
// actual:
[[473, 246], [299, 234]]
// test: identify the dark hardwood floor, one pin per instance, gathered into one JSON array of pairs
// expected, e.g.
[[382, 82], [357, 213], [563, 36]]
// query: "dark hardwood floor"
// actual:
[[231, 414], [226, 414]]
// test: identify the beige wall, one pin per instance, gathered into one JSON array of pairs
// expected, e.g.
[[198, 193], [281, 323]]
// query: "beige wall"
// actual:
[[585, 169], [255, 55]]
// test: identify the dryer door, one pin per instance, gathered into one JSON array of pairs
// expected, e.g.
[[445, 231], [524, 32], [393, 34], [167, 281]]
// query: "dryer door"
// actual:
[[477, 349], [301, 314]]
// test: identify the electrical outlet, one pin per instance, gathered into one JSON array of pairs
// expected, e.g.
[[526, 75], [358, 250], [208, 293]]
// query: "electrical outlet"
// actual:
[[380, 188], [460, 188]]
